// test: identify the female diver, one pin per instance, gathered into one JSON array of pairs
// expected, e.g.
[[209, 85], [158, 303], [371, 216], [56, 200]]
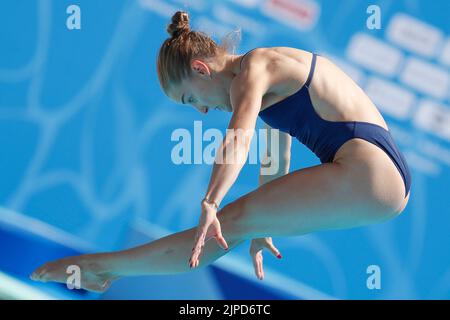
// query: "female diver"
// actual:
[[362, 179]]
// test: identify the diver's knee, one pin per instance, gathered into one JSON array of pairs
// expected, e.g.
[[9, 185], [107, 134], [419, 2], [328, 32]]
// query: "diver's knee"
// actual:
[[233, 217]]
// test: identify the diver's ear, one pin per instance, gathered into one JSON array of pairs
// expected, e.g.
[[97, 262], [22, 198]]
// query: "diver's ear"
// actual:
[[200, 68]]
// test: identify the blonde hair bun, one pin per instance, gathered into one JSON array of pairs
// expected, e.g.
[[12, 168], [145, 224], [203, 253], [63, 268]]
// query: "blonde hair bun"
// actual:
[[180, 24]]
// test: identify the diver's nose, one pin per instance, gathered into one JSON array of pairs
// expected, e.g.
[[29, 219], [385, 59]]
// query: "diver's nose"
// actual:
[[204, 110]]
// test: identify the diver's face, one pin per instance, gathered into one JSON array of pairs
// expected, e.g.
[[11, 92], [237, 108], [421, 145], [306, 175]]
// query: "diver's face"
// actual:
[[202, 90]]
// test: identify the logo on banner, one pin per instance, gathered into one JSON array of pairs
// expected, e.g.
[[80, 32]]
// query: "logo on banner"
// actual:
[[300, 14]]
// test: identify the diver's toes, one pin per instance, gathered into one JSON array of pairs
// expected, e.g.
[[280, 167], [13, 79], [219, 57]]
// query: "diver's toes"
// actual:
[[45, 276], [49, 272], [34, 276], [37, 274]]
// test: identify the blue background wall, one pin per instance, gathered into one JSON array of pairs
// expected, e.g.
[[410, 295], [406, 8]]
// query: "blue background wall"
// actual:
[[85, 139]]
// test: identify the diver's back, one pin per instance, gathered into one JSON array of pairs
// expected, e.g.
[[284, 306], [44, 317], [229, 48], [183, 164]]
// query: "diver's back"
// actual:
[[334, 95]]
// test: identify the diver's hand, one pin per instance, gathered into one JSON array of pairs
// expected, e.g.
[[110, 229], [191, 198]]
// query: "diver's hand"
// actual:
[[256, 247], [208, 227]]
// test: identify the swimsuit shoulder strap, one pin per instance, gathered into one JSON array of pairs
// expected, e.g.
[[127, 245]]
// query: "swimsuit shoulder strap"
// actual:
[[240, 64], [311, 70]]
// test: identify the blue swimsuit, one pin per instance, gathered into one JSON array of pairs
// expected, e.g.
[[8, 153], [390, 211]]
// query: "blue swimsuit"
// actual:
[[296, 115]]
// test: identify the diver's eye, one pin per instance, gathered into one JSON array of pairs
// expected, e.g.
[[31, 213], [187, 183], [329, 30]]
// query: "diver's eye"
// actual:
[[191, 100]]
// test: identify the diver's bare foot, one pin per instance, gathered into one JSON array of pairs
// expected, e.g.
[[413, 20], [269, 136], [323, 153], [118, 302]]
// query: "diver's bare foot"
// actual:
[[94, 274]]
